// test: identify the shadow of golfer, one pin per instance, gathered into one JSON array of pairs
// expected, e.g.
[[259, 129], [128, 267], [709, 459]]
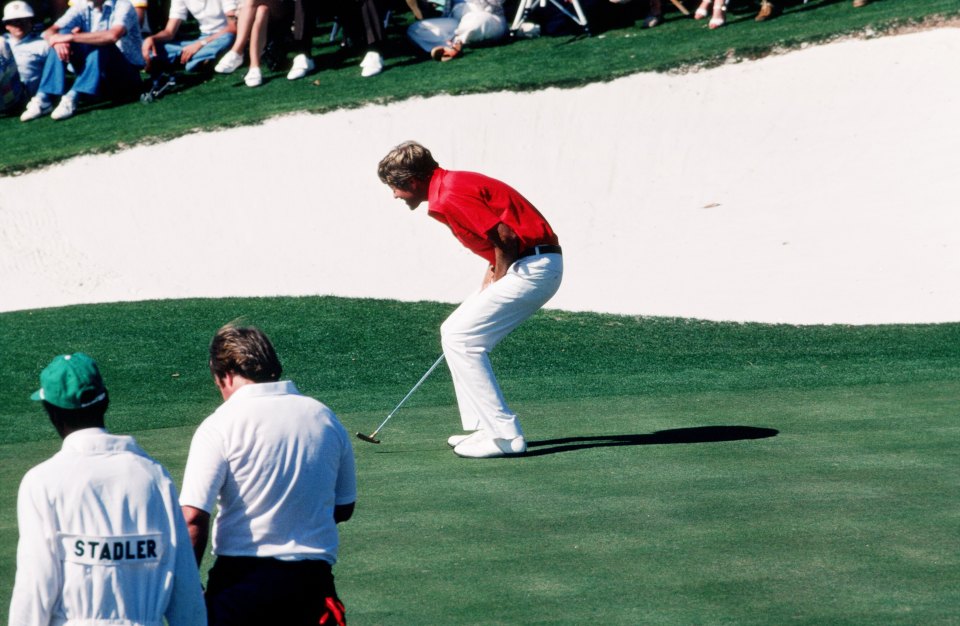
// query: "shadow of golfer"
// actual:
[[697, 434]]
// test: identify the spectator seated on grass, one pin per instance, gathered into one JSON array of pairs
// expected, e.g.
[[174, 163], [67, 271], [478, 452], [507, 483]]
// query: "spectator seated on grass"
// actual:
[[12, 93], [27, 45], [101, 40], [255, 16], [163, 51], [463, 22]]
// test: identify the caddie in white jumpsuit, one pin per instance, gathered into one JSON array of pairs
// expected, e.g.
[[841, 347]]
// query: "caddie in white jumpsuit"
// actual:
[[102, 538]]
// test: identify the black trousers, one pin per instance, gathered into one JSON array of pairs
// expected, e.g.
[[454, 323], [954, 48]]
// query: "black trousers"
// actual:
[[257, 591], [361, 21]]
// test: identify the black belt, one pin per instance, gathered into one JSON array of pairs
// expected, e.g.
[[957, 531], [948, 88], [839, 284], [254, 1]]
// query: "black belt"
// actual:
[[535, 250]]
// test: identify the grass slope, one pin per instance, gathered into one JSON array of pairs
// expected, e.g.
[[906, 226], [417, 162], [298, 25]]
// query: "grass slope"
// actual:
[[680, 472], [522, 65]]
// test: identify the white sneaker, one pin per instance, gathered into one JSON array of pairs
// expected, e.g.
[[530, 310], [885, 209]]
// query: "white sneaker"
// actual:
[[490, 448], [65, 109], [35, 108], [253, 78], [229, 63], [302, 65], [456, 440], [371, 65]]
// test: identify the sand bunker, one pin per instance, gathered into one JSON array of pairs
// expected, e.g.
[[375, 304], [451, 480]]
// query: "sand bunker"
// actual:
[[819, 186]]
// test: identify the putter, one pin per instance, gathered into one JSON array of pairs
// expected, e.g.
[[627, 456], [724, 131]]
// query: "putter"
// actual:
[[372, 437]]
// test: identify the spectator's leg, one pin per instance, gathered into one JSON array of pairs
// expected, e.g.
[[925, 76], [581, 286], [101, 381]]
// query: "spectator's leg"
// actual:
[[372, 23], [244, 26], [360, 21], [258, 34], [107, 73], [432, 32], [477, 26], [719, 14], [304, 26], [53, 79], [258, 41], [654, 14], [168, 55], [210, 52]]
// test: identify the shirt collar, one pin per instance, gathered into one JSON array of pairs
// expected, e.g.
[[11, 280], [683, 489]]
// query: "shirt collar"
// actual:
[[253, 390], [433, 190], [98, 440]]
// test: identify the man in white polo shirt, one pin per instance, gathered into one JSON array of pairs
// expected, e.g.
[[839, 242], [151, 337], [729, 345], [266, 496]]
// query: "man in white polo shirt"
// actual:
[[280, 468], [102, 540], [217, 20]]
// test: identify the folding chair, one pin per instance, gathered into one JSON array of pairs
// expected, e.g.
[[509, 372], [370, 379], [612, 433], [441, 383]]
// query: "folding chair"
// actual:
[[529, 5]]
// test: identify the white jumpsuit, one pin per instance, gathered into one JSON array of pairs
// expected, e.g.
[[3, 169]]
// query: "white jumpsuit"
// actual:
[[102, 540]]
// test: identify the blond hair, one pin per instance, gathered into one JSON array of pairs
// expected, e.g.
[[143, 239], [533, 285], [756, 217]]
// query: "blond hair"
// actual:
[[407, 161]]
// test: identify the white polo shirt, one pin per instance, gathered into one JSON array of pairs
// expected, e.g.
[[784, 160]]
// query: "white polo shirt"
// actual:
[[102, 540], [276, 463], [210, 14]]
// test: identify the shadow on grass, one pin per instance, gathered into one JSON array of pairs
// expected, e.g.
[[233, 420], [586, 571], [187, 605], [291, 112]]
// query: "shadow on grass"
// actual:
[[698, 434]]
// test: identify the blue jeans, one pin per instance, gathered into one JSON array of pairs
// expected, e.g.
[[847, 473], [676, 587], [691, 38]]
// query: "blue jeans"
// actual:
[[169, 53], [101, 71]]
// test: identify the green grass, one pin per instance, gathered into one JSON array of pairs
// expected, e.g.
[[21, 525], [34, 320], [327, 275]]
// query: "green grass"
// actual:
[[520, 65], [680, 471]]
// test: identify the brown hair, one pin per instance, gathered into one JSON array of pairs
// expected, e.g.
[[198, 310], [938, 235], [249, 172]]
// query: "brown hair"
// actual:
[[406, 161], [245, 351]]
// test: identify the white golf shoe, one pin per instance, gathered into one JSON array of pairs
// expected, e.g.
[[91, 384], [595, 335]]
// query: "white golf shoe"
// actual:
[[254, 77], [371, 65], [65, 109], [302, 65], [35, 108], [485, 447], [456, 440], [229, 63]]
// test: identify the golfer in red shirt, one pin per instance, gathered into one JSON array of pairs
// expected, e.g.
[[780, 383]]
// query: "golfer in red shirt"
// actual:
[[524, 270]]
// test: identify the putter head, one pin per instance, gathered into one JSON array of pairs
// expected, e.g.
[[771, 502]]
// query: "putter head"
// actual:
[[367, 438]]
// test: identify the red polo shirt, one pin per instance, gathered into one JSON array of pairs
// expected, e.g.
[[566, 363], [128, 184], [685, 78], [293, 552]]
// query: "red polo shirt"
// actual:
[[473, 204]]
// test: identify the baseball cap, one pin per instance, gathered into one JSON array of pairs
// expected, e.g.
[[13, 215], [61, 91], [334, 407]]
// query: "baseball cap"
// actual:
[[17, 10], [71, 381]]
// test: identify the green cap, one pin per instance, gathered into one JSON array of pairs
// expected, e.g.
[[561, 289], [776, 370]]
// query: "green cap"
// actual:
[[71, 381]]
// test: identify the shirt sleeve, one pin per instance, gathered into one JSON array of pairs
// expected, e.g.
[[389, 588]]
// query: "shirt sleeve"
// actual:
[[39, 576], [124, 14], [186, 607], [71, 19], [178, 10], [346, 488], [206, 469]]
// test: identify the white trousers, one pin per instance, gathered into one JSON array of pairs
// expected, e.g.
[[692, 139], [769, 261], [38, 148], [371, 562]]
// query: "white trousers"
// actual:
[[477, 325], [467, 25]]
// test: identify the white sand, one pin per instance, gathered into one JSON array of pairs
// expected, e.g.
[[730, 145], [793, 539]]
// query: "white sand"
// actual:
[[819, 186]]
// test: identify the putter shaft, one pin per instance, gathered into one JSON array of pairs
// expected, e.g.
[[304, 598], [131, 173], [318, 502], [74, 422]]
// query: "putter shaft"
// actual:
[[372, 436]]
